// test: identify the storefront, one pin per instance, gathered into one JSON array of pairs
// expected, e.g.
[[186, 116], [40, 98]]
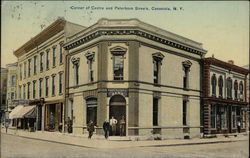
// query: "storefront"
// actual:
[[53, 116]]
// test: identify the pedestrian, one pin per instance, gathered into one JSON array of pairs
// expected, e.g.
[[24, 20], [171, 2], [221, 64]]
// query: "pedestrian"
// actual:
[[106, 128], [122, 126], [239, 126], [6, 126], [113, 123], [90, 128]]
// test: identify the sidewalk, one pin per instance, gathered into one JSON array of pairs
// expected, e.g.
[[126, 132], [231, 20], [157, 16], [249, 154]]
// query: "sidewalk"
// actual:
[[99, 141]]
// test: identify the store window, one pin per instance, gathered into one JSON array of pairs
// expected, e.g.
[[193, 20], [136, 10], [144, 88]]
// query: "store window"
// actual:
[[223, 117], [213, 116], [234, 120], [91, 110]]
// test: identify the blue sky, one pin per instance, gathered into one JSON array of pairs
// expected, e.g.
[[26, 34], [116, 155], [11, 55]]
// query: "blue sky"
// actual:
[[222, 27]]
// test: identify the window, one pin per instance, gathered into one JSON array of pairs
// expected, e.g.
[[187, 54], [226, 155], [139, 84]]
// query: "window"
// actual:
[[12, 95], [28, 96], [157, 62], [20, 72], [220, 87], [13, 80], [54, 57], [76, 62], [186, 68], [35, 57], [40, 87], [155, 111], [223, 116], [53, 85], [241, 90], [234, 117], [24, 69], [47, 59], [118, 62], [29, 67], [214, 83], [184, 112], [91, 110], [60, 83], [41, 62], [213, 116], [229, 88], [24, 91], [19, 92], [61, 53], [46, 86], [34, 89], [235, 90], [90, 60]]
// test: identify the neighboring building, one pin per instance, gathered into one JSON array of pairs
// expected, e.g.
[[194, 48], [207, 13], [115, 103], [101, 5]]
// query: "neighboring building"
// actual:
[[11, 85], [136, 70], [3, 92], [225, 102], [41, 67]]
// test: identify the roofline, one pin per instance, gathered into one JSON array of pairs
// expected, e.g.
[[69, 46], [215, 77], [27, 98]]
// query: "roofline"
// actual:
[[32, 42], [223, 64]]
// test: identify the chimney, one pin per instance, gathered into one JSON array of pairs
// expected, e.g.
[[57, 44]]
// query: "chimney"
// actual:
[[231, 62]]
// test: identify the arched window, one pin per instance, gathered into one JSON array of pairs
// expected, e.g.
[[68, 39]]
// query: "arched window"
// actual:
[[91, 110], [241, 90], [213, 82], [220, 86], [229, 88], [235, 89]]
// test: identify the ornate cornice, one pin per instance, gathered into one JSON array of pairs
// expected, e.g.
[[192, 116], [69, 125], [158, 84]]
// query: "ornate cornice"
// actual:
[[75, 61], [136, 32]]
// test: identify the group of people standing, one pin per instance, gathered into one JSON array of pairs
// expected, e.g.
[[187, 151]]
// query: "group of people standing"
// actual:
[[109, 127]]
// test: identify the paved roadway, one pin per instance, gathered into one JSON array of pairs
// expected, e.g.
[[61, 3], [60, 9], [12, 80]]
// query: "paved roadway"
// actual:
[[20, 147]]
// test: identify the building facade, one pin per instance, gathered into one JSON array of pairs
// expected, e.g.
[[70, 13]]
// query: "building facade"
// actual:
[[3, 93], [41, 77], [11, 85], [130, 69], [225, 100]]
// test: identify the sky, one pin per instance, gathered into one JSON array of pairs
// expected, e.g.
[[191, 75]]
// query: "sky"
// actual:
[[222, 27]]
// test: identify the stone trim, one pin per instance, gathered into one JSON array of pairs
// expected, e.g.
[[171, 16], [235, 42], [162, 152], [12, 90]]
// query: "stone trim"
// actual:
[[136, 32]]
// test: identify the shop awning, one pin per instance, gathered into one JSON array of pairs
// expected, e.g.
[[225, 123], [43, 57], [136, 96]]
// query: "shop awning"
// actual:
[[15, 111], [26, 112]]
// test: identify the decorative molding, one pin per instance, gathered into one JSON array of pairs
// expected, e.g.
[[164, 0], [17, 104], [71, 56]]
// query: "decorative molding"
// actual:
[[186, 64], [75, 61], [90, 55], [118, 50], [158, 56], [140, 33], [117, 91]]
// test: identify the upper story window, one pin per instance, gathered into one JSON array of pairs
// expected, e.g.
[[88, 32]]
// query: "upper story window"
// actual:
[[29, 67], [241, 90], [40, 87], [60, 82], [76, 63], [90, 59], [24, 91], [34, 89], [157, 62], [53, 84], [118, 62], [220, 86], [41, 62], [47, 59], [61, 53], [184, 110], [20, 72], [28, 95], [186, 65], [214, 83], [46, 86], [24, 69], [35, 57], [54, 56], [19, 92], [229, 88], [236, 90], [13, 80]]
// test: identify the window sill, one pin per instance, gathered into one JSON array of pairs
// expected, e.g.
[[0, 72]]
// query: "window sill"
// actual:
[[185, 89], [60, 94], [157, 84], [61, 64], [53, 95]]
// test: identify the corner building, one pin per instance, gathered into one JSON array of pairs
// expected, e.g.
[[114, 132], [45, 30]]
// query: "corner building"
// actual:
[[136, 70], [41, 67]]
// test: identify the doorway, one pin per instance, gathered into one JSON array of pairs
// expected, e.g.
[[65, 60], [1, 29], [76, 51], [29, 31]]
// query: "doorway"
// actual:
[[117, 110]]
